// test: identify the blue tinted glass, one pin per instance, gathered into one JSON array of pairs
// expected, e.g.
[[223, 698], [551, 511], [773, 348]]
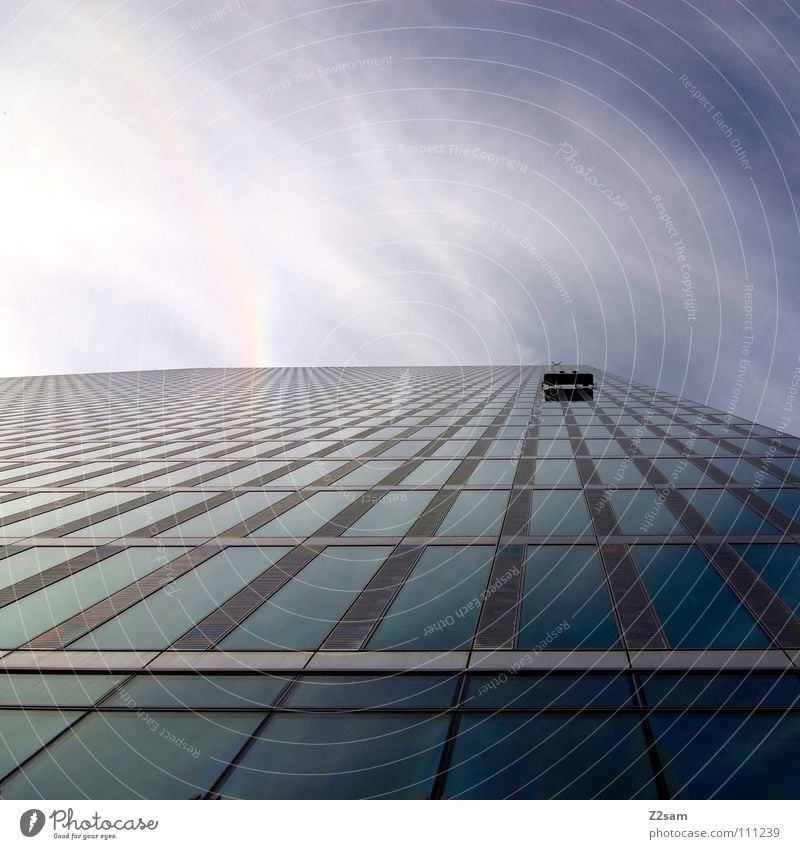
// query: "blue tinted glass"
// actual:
[[558, 472], [729, 755], [595, 431], [493, 472], [341, 756], [158, 620], [505, 756], [682, 472], [656, 448], [431, 473], [42, 610], [127, 754], [788, 464], [553, 448], [707, 448], [641, 512], [438, 605], [53, 520], [727, 514], [621, 472], [393, 692], [33, 560], [547, 691], [198, 691], [475, 514], [393, 515], [62, 689], [724, 689], [779, 566], [559, 511], [696, 607], [547, 431], [219, 519], [403, 450], [602, 447], [370, 473], [246, 475], [454, 448], [744, 472], [307, 517], [565, 604], [300, 615], [314, 471], [785, 499], [24, 732], [505, 448]]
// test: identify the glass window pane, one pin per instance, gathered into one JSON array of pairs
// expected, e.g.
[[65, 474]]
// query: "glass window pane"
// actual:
[[198, 691], [249, 473], [438, 604], [300, 615], [503, 448], [23, 732], [158, 620], [19, 566], [744, 472], [141, 517], [787, 500], [227, 515], [56, 689], [300, 452], [352, 451], [505, 756], [431, 473], [696, 607], [493, 472], [369, 473], [307, 517], [27, 502], [682, 472], [33, 614], [554, 448], [403, 450], [540, 692], [656, 448], [393, 515], [394, 692], [341, 756], [180, 476], [55, 519], [454, 448], [559, 511], [308, 474], [556, 472], [475, 513], [566, 603], [621, 472], [122, 755], [779, 566], [641, 512], [707, 448], [726, 514], [722, 690], [729, 755]]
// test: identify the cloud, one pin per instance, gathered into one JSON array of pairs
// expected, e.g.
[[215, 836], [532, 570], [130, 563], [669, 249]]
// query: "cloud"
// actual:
[[278, 184]]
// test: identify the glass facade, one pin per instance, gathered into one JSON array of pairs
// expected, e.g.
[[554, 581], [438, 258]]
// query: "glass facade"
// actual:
[[393, 583]]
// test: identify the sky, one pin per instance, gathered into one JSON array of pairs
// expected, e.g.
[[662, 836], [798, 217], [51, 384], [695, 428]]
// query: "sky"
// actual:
[[395, 182]]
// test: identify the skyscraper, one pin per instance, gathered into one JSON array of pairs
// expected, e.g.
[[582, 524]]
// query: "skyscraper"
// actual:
[[393, 582]]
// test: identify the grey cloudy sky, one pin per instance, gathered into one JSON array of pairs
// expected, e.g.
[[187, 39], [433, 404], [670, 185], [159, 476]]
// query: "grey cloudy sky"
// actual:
[[400, 182]]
